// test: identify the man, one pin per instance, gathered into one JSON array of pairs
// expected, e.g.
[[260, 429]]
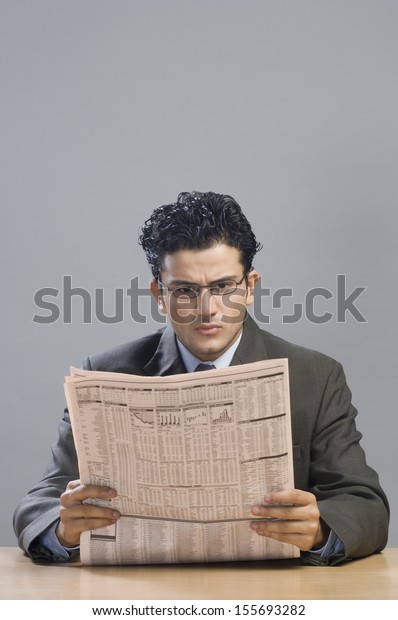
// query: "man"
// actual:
[[201, 250]]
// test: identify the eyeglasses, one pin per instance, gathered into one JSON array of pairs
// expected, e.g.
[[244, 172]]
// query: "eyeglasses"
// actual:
[[221, 288]]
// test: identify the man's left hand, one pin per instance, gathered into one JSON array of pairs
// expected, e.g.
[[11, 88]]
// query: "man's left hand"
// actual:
[[292, 517]]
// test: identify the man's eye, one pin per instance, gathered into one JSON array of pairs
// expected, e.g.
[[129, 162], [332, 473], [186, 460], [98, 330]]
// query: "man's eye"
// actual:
[[222, 287], [185, 291], [224, 284]]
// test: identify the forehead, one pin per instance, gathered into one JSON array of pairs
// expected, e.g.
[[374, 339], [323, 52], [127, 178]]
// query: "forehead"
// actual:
[[202, 265]]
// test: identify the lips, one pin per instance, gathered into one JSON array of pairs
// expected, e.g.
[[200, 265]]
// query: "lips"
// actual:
[[208, 329]]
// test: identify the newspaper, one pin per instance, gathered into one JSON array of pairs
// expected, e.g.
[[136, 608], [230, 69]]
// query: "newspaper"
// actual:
[[189, 455]]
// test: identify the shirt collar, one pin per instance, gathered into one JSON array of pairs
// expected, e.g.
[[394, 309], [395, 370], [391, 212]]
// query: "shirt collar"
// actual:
[[223, 361]]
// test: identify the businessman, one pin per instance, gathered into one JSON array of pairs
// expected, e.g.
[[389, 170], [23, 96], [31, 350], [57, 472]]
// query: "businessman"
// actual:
[[201, 251]]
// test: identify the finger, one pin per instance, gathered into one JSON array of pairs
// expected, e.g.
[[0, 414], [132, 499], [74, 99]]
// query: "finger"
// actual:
[[309, 512], [73, 484], [69, 533], [297, 497], [295, 513], [303, 541], [299, 533], [82, 492], [289, 504], [84, 525], [87, 511], [285, 527]]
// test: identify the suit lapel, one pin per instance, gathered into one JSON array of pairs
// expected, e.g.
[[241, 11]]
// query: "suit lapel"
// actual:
[[251, 347], [166, 359]]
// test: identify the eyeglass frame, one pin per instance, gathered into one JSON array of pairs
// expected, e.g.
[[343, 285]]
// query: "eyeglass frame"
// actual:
[[197, 288]]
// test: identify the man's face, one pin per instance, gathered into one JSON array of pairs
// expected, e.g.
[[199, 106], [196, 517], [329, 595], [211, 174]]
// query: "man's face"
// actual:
[[207, 324]]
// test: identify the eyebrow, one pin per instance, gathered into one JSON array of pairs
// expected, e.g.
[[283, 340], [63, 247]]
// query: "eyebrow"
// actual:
[[190, 283]]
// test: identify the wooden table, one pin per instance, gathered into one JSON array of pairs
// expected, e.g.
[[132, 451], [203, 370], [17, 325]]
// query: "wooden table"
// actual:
[[375, 577]]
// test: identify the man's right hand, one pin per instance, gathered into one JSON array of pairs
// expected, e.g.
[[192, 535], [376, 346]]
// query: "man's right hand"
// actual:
[[77, 517]]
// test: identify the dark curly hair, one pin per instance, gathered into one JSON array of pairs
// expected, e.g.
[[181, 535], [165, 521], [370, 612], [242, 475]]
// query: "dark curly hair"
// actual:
[[197, 221]]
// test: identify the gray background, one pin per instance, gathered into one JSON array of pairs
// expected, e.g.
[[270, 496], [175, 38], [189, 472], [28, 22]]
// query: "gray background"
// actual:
[[109, 109]]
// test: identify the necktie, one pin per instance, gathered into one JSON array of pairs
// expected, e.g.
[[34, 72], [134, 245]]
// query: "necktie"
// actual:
[[200, 367]]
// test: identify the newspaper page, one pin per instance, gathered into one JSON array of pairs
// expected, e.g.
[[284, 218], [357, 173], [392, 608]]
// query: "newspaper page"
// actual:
[[189, 455]]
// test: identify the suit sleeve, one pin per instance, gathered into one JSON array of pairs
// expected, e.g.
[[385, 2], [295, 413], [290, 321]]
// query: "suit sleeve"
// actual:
[[349, 495], [40, 507]]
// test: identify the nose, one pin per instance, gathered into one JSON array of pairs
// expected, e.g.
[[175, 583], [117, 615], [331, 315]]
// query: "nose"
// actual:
[[206, 304]]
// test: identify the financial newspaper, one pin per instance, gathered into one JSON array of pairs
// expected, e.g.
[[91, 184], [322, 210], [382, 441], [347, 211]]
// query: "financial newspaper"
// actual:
[[189, 455]]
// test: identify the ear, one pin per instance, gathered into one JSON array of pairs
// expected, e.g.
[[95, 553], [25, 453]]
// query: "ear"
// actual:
[[158, 295], [252, 279]]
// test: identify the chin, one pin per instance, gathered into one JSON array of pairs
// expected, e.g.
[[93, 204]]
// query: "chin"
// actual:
[[211, 353]]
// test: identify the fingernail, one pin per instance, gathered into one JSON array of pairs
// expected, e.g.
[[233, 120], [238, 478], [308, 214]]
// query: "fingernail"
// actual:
[[254, 525], [115, 514], [256, 510]]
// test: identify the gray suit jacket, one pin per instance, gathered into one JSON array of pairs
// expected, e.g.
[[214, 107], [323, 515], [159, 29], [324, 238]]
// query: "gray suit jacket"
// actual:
[[328, 460]]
